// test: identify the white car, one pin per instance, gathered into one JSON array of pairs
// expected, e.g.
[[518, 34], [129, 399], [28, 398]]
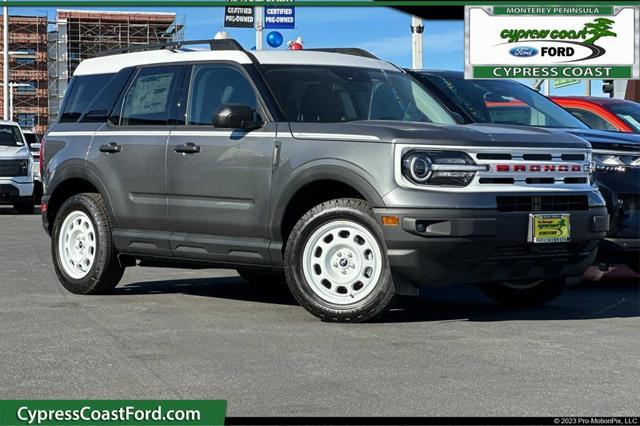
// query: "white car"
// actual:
[[16, 168]]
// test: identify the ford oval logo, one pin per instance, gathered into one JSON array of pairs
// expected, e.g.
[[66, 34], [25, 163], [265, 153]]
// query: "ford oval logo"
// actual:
[[523, 51]]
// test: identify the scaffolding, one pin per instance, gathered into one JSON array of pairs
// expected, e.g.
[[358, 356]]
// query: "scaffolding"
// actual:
[[28, 71], [83, 34]]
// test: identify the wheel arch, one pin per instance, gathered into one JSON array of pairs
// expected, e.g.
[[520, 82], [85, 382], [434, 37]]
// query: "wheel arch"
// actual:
[[314, 185], [74, 180]]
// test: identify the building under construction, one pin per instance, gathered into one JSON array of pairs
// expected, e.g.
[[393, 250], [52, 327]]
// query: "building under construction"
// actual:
[[27, 71], [82, 34]]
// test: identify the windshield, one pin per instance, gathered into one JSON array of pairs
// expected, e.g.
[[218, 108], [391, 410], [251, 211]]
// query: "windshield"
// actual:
[[629, 112], [331, 94], [10, 136], [505, 102]]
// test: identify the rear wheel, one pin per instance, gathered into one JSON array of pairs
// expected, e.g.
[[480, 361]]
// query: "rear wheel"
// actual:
[[84, 257], [525, 293], [336, 263]]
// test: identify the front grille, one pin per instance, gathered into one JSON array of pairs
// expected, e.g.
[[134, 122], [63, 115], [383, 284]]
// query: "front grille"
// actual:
[[10, 168], [536, 250], [544, 203]]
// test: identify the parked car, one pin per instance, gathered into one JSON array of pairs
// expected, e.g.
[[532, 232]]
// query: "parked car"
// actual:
[[34, 146], [616, 155], [612, 114], [335, 171], [16, 168]]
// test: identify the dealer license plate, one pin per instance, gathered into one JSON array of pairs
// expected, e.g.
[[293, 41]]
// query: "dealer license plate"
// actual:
[[549, 228]]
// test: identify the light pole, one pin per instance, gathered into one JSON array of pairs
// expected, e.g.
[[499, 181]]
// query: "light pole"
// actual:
[[416, 42], [5, 63], [259, 19]]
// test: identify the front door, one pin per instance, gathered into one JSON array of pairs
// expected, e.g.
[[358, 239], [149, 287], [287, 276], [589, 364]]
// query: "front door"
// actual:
[[218, 180]]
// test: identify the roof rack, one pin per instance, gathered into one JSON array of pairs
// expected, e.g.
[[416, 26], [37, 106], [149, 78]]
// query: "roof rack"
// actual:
[[222, 44], [355, 51]]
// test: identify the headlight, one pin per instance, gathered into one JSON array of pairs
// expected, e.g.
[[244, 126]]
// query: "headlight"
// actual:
[[23, 167], [439, 168], [615, 161]]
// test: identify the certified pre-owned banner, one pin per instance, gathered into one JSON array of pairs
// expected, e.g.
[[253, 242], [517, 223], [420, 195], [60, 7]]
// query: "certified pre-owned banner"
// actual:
[[107, 412], [559, 42]]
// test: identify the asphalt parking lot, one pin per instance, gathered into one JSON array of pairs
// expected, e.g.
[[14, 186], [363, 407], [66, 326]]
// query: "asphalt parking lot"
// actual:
[[208, 335]]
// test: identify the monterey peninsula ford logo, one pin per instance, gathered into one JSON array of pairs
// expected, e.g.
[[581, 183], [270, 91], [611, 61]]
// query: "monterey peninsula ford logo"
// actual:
[[559, 42], [585, 37]]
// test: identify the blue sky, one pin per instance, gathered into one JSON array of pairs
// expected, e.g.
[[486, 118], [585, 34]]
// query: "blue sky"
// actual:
[[383, 31]]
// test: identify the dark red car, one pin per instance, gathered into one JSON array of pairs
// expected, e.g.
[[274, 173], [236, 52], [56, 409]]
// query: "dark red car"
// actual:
[[616, 115]]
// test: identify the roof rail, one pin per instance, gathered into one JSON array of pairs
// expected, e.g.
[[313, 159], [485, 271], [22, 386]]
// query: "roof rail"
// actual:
[[355, 51], [222, 44]]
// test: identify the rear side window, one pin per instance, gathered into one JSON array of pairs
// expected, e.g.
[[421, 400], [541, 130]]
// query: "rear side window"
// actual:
[[82, 91], [151, 97], [99, 109]]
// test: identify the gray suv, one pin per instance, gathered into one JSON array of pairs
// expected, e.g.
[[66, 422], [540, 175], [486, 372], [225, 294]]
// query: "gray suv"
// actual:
[[330, 169]]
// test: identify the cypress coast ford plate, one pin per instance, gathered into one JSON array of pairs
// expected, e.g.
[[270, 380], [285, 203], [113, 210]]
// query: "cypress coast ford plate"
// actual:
[[549, 228]]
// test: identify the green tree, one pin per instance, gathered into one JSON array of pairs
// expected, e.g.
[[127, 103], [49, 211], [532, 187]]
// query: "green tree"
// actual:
[[600, 27]]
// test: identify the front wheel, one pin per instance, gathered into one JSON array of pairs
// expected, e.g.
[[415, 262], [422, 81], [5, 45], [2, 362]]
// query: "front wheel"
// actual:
[[336, 264], [525, 293], [83, 254]]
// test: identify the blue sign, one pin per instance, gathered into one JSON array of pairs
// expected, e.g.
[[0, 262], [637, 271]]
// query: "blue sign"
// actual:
[[280, 17]]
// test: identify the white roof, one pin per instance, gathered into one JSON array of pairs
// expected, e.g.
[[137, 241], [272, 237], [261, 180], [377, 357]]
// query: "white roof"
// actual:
[[114, 63]]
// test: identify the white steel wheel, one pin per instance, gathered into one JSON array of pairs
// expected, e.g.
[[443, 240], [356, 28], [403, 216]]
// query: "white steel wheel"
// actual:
[[77, 244], [342, 262]]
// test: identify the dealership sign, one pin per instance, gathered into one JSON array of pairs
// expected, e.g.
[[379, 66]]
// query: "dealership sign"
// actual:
[[559, 42], [280, 17], [238, 16]]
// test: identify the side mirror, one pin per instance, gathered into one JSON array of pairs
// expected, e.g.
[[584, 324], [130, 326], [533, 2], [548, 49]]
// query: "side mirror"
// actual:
[[235, 116]]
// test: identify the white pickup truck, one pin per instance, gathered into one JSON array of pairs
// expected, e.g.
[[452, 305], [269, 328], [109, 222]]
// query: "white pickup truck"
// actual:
[[16, 168]]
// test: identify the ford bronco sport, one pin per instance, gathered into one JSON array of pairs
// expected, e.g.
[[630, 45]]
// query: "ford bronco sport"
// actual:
[[330, 168]]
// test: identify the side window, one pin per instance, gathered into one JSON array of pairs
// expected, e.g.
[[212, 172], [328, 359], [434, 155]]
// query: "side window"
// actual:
[[591, 119], [101, 106], [150, 99], [215, 85], [82, 91]]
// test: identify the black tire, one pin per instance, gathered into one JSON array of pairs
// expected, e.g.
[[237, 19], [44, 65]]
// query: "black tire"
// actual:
[[377, 302], [37, 193], [106, 271], [525, 294], [24, 207], [263, 278]]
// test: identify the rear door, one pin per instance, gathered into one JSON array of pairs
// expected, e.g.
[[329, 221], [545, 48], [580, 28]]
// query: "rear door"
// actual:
[[218, 180], [129, 154]]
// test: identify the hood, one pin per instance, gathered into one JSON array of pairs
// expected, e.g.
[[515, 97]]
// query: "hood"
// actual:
[[14, 152], [602, 139], [436, 134]]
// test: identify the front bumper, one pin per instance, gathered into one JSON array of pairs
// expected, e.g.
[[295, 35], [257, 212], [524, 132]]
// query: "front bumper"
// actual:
[[467, 246], [13, 192]]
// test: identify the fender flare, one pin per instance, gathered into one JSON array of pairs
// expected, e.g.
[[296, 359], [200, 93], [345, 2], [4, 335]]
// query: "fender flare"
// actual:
[[337, 170]]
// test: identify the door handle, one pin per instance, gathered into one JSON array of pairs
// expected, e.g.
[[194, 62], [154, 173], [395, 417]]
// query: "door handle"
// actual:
[[188, 148], [110, 148]]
